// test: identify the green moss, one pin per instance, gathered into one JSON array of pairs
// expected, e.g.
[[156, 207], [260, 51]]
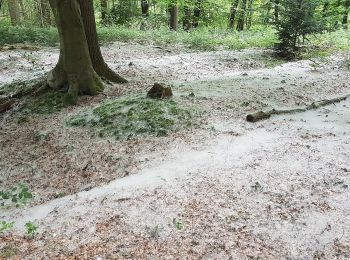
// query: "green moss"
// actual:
[[46, 103], [134, 116]]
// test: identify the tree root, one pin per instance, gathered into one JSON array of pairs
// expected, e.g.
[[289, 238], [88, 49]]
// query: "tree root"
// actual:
[[261, 115], [6, 103]]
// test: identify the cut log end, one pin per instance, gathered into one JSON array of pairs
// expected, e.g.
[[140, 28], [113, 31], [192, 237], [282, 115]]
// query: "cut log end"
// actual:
[[255, 117]]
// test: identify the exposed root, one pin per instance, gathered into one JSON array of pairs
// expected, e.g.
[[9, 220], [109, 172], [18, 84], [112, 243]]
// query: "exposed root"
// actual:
[[261, 115], [110, 75]]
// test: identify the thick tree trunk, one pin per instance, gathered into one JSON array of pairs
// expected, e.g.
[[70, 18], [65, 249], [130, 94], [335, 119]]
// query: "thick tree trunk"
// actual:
[[14, 12], [233, 12], [74, 67], [174, 14], [197, 13], [241, 18], [101, 68]]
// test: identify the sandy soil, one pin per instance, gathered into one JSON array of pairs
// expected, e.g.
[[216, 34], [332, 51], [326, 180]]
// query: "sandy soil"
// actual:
[[277, 189]]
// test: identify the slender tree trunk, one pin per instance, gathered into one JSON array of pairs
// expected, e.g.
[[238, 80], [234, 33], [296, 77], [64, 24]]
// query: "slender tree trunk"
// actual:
[[102, 69], [346, 14], [250, 14], [144, 8], [173, 19], [186, 24], [14, 12], [104, 8], [197, 13], [241, 18], [44, 13], [23, 9], [276, 11], [233, 13]]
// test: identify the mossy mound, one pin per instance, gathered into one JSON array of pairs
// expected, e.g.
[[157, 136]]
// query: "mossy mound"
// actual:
[[134, 116]]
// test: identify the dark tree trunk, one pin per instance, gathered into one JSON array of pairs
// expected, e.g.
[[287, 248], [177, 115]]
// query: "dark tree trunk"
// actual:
[[174, 13], [233, 13], [144, 8], [104, 8], [186, 24], [241, 18], [346, 14], [276, 11], [197, 13]]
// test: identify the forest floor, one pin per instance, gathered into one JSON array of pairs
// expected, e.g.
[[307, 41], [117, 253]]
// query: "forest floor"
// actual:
[[276, 189]]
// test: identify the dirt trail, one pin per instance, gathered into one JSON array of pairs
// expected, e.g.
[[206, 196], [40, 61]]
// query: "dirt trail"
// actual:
[[277, 189]]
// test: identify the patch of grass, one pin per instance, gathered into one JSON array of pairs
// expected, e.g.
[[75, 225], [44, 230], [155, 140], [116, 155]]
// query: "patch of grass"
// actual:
[[323, 45], [21, 34], [134, 116], [47, 103]]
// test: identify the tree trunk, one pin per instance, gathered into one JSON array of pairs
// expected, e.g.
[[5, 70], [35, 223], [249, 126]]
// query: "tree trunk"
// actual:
[[104, 8], [233, 12], [44, 13], [14, 12], [250, 14], [174, 13], [186, 24], [276, 11], [346, 14], [241, 18], [197, 13], [74, 68], [144, 8], [102, 69]]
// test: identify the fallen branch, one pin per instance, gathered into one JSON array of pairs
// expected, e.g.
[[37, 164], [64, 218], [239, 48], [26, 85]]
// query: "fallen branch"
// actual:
[[261, 115]]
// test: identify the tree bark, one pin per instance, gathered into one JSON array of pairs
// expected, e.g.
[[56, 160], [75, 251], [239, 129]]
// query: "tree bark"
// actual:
[[197, 13], [241, 18], [276, 11], [74, 67], [174, 13], [250, 14], [233, 13], [186, 24], [346, 14], [144, 8], [101, 68], [104, 8], [14, 12]]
